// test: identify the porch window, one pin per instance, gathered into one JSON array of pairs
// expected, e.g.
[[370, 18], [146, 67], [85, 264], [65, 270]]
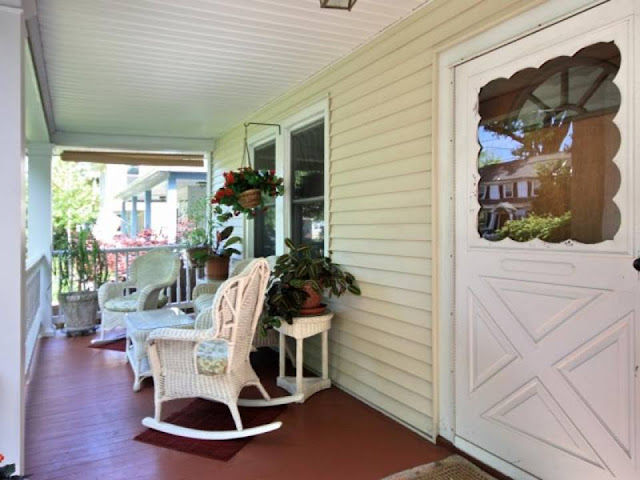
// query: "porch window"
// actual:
[[264, 224], [307, 221]]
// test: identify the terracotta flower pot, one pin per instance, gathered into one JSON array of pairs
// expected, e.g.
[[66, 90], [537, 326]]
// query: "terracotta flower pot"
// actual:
[[217, 268], [312, 305]]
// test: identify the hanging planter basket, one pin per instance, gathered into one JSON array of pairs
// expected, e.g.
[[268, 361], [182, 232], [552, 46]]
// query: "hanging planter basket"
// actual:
[[250, 198]]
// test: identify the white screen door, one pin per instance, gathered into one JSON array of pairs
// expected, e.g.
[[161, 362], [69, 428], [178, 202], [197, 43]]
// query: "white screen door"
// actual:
[[547, 231]]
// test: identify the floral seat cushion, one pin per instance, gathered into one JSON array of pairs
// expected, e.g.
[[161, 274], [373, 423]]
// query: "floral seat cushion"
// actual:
[[128, 303], [212, 357]]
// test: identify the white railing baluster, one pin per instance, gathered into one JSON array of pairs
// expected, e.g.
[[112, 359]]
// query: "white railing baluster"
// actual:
[[38, 307], [187, 272]]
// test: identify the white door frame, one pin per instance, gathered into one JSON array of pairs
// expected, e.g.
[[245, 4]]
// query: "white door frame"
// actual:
[[444, 223]]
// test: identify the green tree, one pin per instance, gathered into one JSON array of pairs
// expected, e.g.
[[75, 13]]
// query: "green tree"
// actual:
[[487, 158], [75, 198]]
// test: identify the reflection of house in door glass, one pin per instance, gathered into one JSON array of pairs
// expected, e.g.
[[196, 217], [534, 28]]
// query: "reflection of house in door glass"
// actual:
[[548, 141]]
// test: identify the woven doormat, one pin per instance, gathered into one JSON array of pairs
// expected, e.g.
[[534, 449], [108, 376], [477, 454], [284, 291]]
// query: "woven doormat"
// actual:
[[451, 468], [204, 415], [119, 345]]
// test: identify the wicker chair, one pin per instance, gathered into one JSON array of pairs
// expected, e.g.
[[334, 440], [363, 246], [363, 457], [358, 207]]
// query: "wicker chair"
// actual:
[[149, 274], [204, 293], [214, 364]]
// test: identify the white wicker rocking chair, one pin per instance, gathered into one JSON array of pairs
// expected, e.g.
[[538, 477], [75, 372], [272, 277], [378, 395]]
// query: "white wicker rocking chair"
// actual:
[[214, 364]]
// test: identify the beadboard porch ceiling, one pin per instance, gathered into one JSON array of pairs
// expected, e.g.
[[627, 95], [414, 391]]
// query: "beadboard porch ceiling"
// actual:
[[189, 68]]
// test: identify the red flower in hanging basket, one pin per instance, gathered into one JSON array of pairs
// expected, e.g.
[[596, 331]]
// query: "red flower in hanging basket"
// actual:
[[247, 179]]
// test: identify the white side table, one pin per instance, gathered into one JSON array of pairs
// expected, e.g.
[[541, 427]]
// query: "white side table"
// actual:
[[139, 327], [301, 328]]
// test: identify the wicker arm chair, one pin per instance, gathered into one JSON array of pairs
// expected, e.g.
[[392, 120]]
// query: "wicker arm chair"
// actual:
[[214, 363], [149, 274], [204, 293]]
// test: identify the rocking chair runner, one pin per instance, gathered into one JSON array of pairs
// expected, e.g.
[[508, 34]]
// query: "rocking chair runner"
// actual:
[[214, 364]]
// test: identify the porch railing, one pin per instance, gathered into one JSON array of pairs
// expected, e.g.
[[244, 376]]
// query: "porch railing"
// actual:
[[37, 304], [179, 294]]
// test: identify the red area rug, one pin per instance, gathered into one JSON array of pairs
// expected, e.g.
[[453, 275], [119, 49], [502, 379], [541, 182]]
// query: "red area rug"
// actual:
[[206, 415], [118, 345]]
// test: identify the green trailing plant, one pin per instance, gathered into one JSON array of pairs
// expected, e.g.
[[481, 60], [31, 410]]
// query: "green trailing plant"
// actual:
[[303, 265], [80, 265]]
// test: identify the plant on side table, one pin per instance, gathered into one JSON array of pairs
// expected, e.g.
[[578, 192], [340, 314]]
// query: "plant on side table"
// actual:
[[81, 268], [298, 282]]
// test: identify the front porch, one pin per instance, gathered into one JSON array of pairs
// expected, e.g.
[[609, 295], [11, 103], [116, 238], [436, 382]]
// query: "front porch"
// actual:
[[82, 417]]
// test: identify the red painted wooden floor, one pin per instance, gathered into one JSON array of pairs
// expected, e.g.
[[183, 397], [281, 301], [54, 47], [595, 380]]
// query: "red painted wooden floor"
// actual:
[[82, 416]]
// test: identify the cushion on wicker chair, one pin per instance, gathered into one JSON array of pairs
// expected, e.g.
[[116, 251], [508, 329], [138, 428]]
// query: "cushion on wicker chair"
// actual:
[[212, 357], [202, 302], [128, 303]]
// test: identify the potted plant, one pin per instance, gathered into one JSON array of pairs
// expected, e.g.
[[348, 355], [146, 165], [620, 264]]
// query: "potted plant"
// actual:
[[81, 268], [244, 189], [298, 282], [218, 246]]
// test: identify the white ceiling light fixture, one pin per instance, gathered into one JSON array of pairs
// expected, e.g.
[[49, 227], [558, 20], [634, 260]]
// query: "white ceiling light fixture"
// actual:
[[339, 4]]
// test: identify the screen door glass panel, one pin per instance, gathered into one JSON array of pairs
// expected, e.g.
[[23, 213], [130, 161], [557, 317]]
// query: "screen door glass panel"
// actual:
[[264, 223], [547, 142]]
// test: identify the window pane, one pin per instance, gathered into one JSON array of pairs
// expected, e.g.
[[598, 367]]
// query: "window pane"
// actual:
[[307, 161], [547, 142], [307, 223], [264, 233], [264, 224], [307, 180]]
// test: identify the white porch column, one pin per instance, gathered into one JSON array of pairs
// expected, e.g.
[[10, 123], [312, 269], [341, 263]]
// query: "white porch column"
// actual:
[[12, 46], [39, 228]]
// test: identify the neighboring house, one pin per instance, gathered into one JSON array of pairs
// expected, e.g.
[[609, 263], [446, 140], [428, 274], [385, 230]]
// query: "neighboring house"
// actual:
[[506, 189], [154, 198]]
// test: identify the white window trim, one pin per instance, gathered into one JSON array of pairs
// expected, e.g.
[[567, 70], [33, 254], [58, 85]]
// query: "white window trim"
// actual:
[[504, 190], [257, 140], [305, 117]]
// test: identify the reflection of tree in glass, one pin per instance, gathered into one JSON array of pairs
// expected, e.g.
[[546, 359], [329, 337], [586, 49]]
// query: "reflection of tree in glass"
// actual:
[[538, 136], [554, 192], [487, 158]]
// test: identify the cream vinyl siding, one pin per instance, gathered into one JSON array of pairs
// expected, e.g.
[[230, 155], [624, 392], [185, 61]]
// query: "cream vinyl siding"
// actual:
[[380, 127]]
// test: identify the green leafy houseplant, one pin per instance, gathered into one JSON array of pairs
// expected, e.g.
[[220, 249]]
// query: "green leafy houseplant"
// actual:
[[303, 268], [81, 268], [239, 182]]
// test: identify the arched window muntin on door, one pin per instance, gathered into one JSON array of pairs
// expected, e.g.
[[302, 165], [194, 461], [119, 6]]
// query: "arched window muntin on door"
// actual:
[[547, 142]]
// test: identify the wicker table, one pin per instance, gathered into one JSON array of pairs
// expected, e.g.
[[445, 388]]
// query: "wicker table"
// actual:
[[301, 328], [139, 326]]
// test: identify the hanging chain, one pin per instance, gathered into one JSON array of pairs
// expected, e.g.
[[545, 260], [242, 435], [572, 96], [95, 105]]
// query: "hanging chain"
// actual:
[[246, 154]]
